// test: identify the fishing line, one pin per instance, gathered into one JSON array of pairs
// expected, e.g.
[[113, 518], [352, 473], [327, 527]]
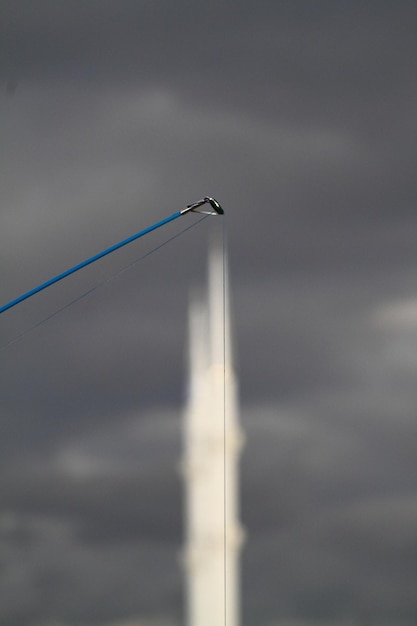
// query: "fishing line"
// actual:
[[224, 422], [100, 284]]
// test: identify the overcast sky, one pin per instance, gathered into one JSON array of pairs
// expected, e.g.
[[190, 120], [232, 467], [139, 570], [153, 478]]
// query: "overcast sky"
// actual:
[[300, 117]]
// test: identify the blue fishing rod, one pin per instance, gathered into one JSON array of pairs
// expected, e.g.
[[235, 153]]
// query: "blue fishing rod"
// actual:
[[216, 209]]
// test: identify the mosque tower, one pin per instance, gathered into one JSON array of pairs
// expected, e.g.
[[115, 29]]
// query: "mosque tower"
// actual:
[[212, 444]]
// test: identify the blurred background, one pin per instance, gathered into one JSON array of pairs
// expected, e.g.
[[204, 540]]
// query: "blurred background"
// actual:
[[300, 118]]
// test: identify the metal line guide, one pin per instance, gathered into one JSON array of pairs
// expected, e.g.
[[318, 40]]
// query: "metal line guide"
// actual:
[[195, 207]]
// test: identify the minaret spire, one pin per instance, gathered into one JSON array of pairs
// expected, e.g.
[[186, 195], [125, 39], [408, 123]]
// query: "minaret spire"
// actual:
[[212, 441]]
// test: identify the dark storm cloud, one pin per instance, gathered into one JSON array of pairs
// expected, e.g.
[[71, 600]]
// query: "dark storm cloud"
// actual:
[[300, 118], [317, 547], [103, 510]]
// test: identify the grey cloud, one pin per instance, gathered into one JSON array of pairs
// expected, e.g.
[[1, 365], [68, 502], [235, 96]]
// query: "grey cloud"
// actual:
[[324, 546]]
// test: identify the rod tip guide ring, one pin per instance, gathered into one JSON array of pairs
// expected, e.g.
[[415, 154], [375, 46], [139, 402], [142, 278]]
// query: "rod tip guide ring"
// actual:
[[195, 207]]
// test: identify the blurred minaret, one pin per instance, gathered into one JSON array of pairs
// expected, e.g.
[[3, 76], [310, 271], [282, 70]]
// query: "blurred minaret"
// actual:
[[212, 441]]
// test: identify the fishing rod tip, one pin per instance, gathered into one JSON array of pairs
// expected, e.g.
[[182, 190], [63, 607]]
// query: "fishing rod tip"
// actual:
[[195, 207]]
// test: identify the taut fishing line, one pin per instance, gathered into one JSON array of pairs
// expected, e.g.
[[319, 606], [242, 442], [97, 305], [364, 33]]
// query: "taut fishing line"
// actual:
[[224, 421], [100, 284]]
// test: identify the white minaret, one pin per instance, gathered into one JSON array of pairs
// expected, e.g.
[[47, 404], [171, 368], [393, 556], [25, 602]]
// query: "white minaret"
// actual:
[[212, 441]]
